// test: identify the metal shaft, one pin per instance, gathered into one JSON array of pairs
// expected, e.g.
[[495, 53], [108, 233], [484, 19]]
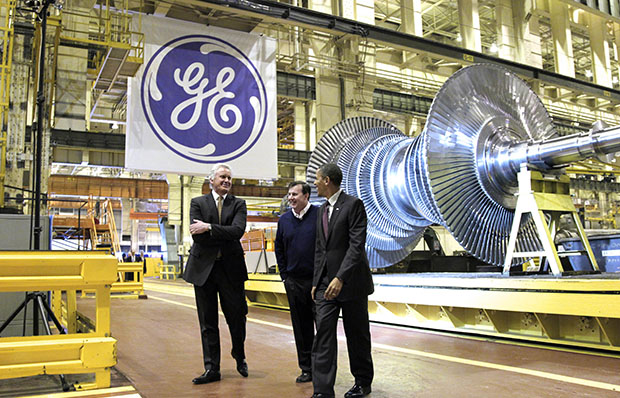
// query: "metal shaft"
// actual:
[[566, 150], [502, 162]]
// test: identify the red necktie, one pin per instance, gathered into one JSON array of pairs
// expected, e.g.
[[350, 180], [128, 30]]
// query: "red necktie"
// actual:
[[326, 219]]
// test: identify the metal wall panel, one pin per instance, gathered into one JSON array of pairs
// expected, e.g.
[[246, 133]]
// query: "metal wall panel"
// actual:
[[15, 235]]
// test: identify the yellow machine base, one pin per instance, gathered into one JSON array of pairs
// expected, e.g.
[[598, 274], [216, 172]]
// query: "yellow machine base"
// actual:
[[579, 311]]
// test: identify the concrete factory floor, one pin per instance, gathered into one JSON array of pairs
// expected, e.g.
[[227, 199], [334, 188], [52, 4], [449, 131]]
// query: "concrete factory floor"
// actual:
[[159, 353]]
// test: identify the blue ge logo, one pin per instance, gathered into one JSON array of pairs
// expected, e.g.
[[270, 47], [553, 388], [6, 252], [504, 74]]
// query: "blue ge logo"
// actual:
[[204, 99]]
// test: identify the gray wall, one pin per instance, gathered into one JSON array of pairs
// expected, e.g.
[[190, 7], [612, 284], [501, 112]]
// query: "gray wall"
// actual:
[[15, 235]]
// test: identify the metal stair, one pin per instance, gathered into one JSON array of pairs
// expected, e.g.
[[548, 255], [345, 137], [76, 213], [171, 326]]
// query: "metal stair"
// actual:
[[103, 234]]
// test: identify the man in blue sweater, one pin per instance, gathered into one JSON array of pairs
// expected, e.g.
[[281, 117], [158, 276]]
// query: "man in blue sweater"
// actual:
[[294, 249]]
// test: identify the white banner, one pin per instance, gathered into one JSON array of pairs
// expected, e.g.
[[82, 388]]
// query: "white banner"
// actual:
[[204, 95]]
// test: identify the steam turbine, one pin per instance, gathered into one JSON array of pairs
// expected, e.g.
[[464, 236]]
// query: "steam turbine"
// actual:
[[460, 172]]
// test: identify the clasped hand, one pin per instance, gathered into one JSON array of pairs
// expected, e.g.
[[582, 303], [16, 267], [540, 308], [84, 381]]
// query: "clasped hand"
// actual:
[[198, 227]]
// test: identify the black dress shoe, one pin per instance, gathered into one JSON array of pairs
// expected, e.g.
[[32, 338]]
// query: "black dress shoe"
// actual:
[[304, 377], [242, 368], [357, 391], [320, 396], [208, 377]]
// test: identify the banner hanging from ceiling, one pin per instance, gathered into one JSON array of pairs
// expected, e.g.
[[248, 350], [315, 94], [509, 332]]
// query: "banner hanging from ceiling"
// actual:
[[204, 95]]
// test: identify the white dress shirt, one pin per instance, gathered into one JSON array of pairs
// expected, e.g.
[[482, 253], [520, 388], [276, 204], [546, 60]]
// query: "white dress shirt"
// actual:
[[302, 212], [332, 202], [216, 195]]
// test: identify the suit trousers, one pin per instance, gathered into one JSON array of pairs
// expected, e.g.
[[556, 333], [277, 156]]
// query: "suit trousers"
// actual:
[[234, 307], [302, 317], [325, 347]]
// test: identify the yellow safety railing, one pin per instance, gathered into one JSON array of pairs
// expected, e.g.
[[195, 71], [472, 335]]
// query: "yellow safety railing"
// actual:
[[102, 232], [94, 239], [167, 271], [66, 310], [153, 266], [109, 219], [126, 285], [71, 353], [108, 25]]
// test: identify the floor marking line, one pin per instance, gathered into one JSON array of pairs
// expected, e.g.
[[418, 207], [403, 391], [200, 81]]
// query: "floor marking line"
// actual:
[[259, 321], [448, 358], [275, 325], [186, 291], [172, 302], [506, 368]]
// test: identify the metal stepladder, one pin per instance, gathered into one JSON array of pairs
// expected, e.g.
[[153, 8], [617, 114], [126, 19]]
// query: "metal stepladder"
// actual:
[[545, 196]]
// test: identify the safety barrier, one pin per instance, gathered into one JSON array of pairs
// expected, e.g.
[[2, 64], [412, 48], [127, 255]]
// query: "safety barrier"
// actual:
[[125, 286], [129, 287], [153, 266], [71, 353], [168, 272]]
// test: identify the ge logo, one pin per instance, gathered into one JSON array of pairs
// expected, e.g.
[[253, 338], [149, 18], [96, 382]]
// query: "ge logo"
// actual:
[[204, 99]]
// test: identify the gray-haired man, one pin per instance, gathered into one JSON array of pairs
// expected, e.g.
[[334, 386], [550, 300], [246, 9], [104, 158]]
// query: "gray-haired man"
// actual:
[[216, 267]]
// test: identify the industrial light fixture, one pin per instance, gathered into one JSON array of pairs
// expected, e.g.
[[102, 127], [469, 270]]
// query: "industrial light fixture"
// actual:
[[114, 126], [588, 73], [459, 38], [493, 48]]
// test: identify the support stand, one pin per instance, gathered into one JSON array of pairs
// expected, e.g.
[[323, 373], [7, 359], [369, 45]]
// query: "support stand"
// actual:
[[262, 256], [543, 196], [42, 15], [42, 308]]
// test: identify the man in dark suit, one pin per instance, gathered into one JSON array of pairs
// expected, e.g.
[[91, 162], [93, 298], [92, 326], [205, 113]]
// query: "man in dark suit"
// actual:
[[216, 266], [342, 281]]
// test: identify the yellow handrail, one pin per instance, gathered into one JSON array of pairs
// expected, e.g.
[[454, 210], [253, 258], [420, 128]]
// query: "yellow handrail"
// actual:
[[92, 352], [116, 244]]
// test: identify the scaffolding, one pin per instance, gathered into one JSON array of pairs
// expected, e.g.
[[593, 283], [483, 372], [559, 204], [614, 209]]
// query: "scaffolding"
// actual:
[[111, 33], [7, 14]]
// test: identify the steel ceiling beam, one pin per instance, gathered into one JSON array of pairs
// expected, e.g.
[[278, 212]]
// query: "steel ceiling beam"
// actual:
[[297, 16]]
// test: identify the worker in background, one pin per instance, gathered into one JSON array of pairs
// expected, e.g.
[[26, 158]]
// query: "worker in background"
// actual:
[[216, 267], [294, 247], [342, 281], [131, 258]]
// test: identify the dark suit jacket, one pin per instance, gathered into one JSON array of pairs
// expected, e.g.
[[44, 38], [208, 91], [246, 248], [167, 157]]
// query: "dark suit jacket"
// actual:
[[343, 253], [224, 237]]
